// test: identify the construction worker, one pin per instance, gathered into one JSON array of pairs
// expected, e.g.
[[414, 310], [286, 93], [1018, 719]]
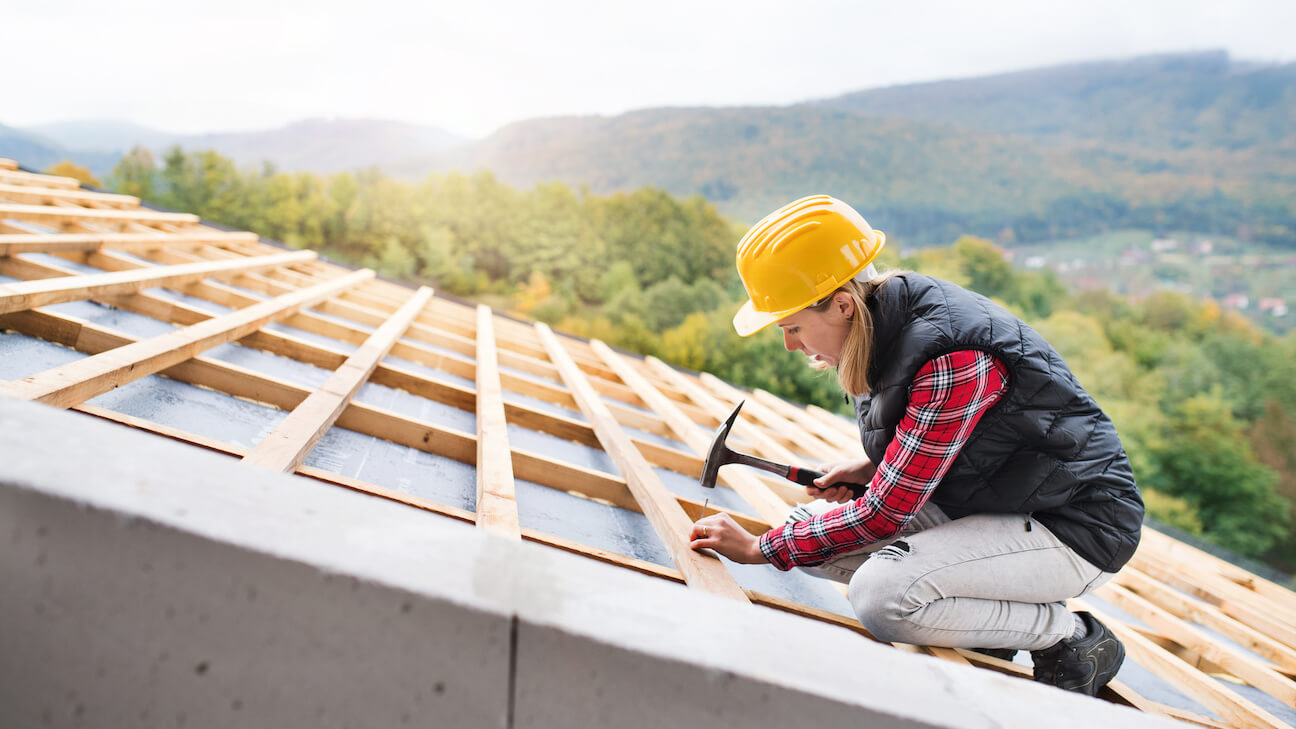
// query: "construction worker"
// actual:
[[996, 487]]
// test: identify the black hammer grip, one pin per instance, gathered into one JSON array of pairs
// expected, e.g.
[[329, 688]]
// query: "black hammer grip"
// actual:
[[806, 477]]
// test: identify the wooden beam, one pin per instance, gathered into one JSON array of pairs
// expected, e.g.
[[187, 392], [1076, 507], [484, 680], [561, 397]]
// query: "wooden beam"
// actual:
[[844, 426], [14, 243], [48, 215], [1207, 615], [808, 444], [31, 294], [496, 497], [16, 176], [1203, 689], [846, 446], [33, 195], [1189, 555], [76, 382], [767, 504], [288, 444], [763, 444], [1231, 660], [663, 511]]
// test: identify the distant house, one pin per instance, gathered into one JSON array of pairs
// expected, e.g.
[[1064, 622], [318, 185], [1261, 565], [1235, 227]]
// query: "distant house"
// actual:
[[1274, 306]]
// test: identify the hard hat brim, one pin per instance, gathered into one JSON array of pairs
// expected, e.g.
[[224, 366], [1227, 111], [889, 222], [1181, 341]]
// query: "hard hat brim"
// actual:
[[748, 321]]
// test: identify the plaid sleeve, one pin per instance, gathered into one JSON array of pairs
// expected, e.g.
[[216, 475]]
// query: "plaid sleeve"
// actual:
[[947, 399]]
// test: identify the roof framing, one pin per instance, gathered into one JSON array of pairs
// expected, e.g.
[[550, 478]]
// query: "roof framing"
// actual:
[[1173, 600]]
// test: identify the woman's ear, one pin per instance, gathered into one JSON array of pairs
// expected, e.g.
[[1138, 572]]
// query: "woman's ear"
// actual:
[[844, 304]]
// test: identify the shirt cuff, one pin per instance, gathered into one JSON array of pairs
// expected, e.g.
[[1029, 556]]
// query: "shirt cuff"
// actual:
[[773, 544]]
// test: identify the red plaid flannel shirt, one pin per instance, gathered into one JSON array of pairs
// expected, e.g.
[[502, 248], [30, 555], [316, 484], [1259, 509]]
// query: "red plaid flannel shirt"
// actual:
[[947, 399]]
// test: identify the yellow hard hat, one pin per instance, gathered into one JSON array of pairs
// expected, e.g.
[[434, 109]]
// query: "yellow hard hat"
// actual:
[[799, 254]]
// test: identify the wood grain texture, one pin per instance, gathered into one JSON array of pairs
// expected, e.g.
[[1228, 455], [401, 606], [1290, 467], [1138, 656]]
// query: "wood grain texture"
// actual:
[[663, 511]]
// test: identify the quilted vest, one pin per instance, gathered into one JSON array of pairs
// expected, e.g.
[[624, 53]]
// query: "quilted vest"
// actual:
[[1044, 449]]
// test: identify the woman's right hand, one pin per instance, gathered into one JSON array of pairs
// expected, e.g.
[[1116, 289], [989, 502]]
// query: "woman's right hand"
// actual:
[[859, 471]]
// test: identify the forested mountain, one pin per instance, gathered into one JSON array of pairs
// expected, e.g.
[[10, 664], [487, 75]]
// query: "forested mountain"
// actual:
[[1203, 100], [1188, 142]]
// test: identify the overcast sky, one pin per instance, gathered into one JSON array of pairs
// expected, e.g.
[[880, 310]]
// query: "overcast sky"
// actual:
[[470, 68]]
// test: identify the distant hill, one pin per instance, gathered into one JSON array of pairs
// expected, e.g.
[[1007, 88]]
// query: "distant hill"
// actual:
[[38, 152], [1190, 141], [102, 135], [750, 160], [1203, 100], [1193, 141], [317, 145]]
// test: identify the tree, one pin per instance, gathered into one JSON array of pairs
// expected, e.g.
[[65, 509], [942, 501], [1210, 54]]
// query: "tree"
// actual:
[[68, 168], [1208, 462], [135, 174]]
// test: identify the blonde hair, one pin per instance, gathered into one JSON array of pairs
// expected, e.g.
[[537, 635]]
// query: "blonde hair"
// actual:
[[857, 350]]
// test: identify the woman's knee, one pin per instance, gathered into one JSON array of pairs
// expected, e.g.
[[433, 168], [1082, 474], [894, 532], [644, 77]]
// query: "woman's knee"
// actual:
[[875, 594]]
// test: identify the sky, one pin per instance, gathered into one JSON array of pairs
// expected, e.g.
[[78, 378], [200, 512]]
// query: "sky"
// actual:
[[190, 67]]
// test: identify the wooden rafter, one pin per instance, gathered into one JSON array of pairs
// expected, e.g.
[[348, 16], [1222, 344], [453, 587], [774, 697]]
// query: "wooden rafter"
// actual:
[[14, 243], [78, 381], [288, 444], [496, 499], [33, 195], [766, 503], [667, 518], [31, 294], [44, 215]]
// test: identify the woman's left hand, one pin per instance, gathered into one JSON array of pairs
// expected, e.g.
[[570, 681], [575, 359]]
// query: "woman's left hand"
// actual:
[[721, 533]]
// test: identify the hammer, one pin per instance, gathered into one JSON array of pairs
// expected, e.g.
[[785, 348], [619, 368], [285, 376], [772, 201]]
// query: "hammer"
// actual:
[[721, 455]]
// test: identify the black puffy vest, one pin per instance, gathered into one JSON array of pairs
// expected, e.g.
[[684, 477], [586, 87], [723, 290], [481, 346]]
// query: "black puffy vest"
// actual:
[[1044, 449]]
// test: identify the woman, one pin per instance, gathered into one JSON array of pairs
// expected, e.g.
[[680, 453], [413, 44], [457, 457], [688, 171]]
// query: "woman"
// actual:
[[997, 488]]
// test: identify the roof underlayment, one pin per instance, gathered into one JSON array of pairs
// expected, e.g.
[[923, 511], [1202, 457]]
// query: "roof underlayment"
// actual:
[[219, 340]]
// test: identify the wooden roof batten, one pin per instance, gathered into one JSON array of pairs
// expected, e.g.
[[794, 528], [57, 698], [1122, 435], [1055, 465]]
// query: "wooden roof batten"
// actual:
[[1170, 589]]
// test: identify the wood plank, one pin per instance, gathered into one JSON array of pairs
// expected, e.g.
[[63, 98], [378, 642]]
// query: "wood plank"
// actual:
[[663, 511], [31, 294], [1231, 660], [33, 195], [14, 243], [1198, 559], [55, 216], [844, 426], [496, 497], [18, 177], [288, 444], [1207, 615], [1231, 599], [848, 446], [761, 443], [806, 442], [768, 505], [79, 381], [1203, 689]]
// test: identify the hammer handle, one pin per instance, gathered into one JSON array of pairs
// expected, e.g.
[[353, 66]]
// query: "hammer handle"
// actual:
[[806, 477]]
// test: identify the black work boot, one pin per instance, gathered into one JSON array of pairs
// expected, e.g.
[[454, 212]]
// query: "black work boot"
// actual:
[[1081, 664], [1003, 654]]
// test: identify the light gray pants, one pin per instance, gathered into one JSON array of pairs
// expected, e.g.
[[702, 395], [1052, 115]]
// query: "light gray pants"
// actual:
[[983, 581]]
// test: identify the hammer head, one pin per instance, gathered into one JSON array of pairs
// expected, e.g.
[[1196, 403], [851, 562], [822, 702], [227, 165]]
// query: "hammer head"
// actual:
[[719, 454]]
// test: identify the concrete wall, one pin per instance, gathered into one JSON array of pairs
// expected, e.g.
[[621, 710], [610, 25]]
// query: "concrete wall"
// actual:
[[147, 583]]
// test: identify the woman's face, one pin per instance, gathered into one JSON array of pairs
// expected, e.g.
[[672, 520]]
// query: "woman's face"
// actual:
[[820, 334]]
